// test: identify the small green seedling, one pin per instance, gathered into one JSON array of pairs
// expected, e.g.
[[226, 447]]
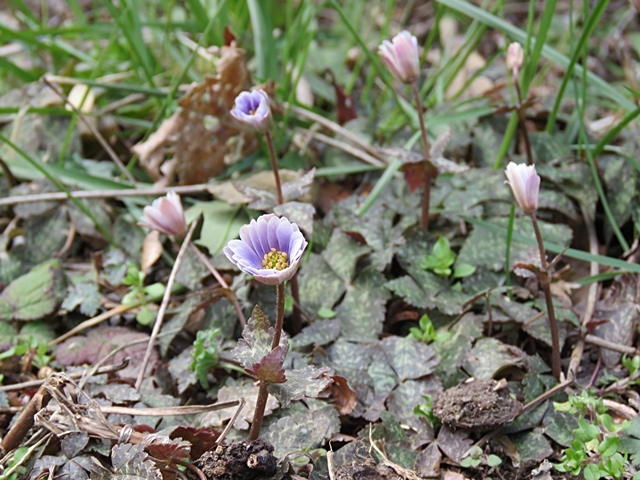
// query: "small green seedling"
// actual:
[[477, 457], [40, 359], [594, 450], [426, 332], [426, 410], [441, 260], [205, 354], [139, 294]]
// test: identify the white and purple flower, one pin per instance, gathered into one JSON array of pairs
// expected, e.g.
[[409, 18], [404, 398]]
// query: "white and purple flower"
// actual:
[[270, 249], [401, 56], [525, 185], [252, 109], [166, 215]]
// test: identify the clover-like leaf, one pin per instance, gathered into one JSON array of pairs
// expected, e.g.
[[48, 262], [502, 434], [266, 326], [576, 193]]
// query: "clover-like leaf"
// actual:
[[308, 381], [130, 462], [269, 368]]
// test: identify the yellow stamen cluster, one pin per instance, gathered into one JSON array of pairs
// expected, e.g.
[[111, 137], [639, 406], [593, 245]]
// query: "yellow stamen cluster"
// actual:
[[276, 260]]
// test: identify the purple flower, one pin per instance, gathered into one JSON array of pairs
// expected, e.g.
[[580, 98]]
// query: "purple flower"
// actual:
[[165, 214], [401, 56], [252, 109], [525, 184], [270, 248]]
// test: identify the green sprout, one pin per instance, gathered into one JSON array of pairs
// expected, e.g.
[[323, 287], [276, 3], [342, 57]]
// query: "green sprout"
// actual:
[[205, 354], [139, 294], [425, 410], [426, 332], [441, 260], [477, 457]]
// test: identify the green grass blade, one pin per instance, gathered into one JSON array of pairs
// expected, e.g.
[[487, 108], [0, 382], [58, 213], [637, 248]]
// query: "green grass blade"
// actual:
[[615, 131], [52, 178], [548, 52], [533, 57], [506, 140], [263, 41], [555, 248], [379, 187], [590, 25]]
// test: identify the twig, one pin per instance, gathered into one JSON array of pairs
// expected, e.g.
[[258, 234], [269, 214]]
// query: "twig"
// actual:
[[165, 301], [93, 322], [601, 342], [124, 192], [75, 375], [335, 128], [345, 147], [234, 299], [222, 436], [94, 131]]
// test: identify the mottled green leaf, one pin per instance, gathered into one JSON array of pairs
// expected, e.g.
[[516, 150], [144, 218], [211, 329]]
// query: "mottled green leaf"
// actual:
[[342, 254], [35, 294], [299, 213], [452, 351], [320, 332], [489, 356], [320, 286], [303, 430], [221, 223], [84, 295], [363, 309], [256, 340], [301, 383], [559, 426], [532, 446], [410, 358]]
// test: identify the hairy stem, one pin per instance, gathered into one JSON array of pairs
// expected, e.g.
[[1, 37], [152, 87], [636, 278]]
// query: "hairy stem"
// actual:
[[258, 414], [426, 194], [522, 125], [545, 282], [274, 165], [263, 394]]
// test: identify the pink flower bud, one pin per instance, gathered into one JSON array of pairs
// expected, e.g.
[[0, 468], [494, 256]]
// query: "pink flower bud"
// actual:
[[166, 215], [515, 58], [525, 185], [401, 56]]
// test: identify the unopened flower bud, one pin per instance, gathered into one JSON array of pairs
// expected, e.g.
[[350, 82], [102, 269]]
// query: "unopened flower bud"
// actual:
[[166, 215], [252, 109], [515, 58], [525, 185], [401, 56]]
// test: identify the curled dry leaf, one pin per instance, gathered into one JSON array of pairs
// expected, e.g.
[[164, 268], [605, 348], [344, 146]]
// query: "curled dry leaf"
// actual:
[[202, 134], [151, 250], [344, 398]]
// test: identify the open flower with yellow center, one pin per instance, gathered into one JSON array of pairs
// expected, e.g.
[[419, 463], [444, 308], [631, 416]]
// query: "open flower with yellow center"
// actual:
[[270, 249]]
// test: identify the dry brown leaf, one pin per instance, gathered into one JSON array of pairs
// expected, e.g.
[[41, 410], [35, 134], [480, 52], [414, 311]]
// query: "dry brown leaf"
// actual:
[[151, 250], [203, 135]]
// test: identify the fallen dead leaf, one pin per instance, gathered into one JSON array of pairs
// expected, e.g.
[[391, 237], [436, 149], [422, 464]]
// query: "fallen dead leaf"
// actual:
[[151, 250]]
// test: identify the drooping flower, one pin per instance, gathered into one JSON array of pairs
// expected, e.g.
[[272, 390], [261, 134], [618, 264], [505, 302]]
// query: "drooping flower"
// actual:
[[515, 58], [525, 185], [252, 109], [270, 248], [166, 215], [401, 56]]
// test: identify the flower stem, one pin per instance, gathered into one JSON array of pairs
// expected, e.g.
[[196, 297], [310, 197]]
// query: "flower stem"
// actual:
[[522, 124], [274, 165], [279, 315], [545, 282], [258, 414], [426, 193], [223, 284], [295, 292], [263, 394], [165, 301]]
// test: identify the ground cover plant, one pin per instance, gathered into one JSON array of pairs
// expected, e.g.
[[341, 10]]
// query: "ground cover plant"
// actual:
[[319, 239]]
